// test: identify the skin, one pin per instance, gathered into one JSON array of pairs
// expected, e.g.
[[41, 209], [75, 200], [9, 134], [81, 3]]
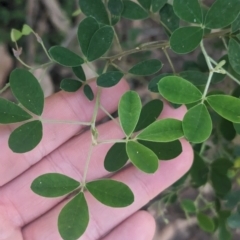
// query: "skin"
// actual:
[[25, 215]]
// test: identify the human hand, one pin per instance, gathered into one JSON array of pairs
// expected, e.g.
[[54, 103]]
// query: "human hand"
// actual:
[[25, 215]]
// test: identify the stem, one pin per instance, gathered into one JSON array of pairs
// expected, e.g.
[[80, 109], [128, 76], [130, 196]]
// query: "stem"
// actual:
[[66, 122], [87, 166], [106, 67], [228, 73], [135, 50], [93, 122], [5, 88], [23, 63], [39, 39], [112, 141], [94, 140], [224, 43], [169, 60], [207, 86], [153, 45], [211, 71], [109, 115], [117, 67], [45, 50], [117, 40], [91, 67], [160, 22], [45, 65]]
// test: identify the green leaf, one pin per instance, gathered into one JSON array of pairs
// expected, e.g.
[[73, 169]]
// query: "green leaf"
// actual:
[[12, 113], [65, 57], [234, 55], [109, 79], [133, 11], [221, 166], [142, 157], [115, 7], [165, 130], [70, 85], [205, 223], [100, 43], [26, 30], [164, 151], [199, 171], [223, 232], [78, 71], [26, 137], [158, 4], [197, 78], [53, 185], [202, 127], [116, 157], [188, 206], [237, 127], [153, 84], [220, 182], [74, 218], [145, 3], [188, 10], [15, 35], [227, 129], [232, 199], [129, 110], [27, 90], [236, 24], [88, 92], [146, 67], [178, 90], [234, 220], [169, 18], [226, 106], [222, 13], [186, 39], [86, 30], [95, 9], [111, 193], [149, 113]]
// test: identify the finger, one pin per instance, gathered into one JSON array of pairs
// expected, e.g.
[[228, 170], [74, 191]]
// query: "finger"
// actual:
[[69, 159], [140, 226], [145, 187], [60, 106]]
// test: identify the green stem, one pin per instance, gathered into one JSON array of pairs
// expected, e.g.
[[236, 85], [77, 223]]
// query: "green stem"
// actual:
[[91, 67], [45, 65], [228, 73], [117, 40], [5, 88], [153, 45], [94, 140], [211, 71], [224, 43], [109, 115], [136, 50], [95, 112], [87, 166], [66, 122], [113, 141], [169, 60], [39, 39], [23, 63], [117, 67]]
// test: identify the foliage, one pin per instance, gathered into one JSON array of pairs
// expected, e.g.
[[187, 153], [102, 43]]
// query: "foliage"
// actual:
[[147, 140]]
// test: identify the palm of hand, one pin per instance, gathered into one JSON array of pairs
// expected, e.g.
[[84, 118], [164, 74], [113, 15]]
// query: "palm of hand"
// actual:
[[24, 215]]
